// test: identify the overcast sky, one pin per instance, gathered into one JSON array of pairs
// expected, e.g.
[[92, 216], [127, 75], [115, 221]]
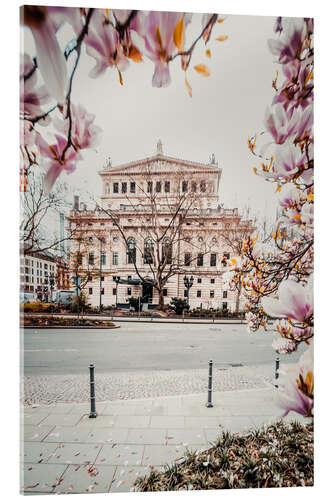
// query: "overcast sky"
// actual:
[[226, 108]]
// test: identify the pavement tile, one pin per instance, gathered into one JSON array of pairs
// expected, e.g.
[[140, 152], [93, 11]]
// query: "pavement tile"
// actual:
[[216, 411], [125, 476], [37, 452], [133, 421], [201, 422], [99, 421], [165, 422], [67, 434], [146, 436], [84, 408], [35, 418], [186, 437], [158, 455], [105, 435], [63, 420], [36, 432], [60, 408], [258, 410], [86, 479], [212, 434], [42, 476], [236, 423], [78, 453], [118, 409], [121, 454]]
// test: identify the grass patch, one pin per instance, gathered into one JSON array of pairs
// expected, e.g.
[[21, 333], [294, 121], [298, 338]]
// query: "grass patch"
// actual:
[[279, 455]]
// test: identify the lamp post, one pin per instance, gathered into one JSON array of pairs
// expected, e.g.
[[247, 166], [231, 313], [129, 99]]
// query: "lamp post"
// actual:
[[188, 284], [52, 284], [116, 279]]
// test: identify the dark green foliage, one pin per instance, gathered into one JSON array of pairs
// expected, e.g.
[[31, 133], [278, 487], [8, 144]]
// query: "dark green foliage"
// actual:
[[178, 305]]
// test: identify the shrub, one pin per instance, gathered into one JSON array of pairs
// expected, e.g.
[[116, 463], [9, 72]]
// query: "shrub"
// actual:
[[178, 305]]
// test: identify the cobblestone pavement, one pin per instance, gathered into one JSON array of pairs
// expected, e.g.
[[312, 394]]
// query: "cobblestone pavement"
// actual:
[[44, 390]]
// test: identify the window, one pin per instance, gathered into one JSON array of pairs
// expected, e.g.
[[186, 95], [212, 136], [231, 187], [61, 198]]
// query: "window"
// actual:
[[149, 187], [148, 251], [158, 187], [211, 294], [91, 258], [102, 291], [115, 259], [167, 186], [213, 259], [91, 239], [132, 187], [102, 278], [184, 186], [90, 291], [124, 187], [186, 293], [200, 259], [114, 291], [199, 280], [187, 259], [116, 187], [115, 239], [224, 305], [167, 251], [187, 239], [165, 292], [131, 251], [89, 277], [200, 239], [214, 240], [129, 291], [225, 294], [226, 255], [103, 259], [212, 281], [45, 266], [194, 187], [203, 186], [198, 293]]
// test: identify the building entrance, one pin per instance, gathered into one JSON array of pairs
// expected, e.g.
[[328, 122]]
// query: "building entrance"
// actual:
[[147, 293]]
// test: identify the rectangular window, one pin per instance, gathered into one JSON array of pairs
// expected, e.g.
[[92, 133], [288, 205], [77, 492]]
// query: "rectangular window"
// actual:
[[187, 259], [115, 259], [199, 280], [158, 187], [165, 292], [91, 258], [129, 291], [90, 291], [225, 294], [198, 293], [149, 187], [124, 187], [45, 266], [132, 187], [211, 294], [224, 305], [200, 259], [194, 187], [79, 258], [114, 291], [203, 186], [184, 186], [116, 187], [213, 259], [103, 259], [212, 281], [167, 186], [102, 291], [226, 255], [102, 278]]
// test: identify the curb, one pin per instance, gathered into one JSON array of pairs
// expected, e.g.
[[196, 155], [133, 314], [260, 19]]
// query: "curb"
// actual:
[[60, 327]]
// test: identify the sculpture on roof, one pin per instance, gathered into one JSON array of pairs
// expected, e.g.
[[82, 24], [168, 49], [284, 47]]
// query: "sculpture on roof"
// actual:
[[212, 159], [159, 147]]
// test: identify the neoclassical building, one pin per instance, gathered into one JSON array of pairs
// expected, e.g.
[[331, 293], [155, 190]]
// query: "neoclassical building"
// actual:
[[159, 219]]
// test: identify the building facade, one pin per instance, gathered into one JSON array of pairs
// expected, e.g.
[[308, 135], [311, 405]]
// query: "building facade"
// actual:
[[159, 220]]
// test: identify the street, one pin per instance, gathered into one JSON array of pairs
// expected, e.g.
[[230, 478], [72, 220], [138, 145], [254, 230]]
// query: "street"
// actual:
[[146, 347]]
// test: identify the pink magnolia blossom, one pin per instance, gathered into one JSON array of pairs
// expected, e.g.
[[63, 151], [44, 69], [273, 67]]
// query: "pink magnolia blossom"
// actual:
[[50, 59], [103, 44], [284, 124], [284, 346], [84, 134], [296, 387], [290, 197], [158, 30], [289, 46], [295, 302], [52, 154], [288, 159], [31, 98]]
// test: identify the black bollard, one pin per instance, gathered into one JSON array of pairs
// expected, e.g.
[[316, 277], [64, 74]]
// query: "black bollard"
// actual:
[[277, 366], [93, 413], [210, 384]]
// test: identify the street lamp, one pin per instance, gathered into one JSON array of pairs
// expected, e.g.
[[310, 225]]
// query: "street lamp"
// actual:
[[52, 284], [188, 284], [116, 279]]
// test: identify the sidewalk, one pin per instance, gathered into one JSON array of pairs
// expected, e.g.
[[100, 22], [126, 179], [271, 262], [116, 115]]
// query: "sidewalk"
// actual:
[[64, 451]]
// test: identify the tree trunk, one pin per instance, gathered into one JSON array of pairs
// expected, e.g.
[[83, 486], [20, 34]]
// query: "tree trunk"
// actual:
[[160, 300], [238, 298]]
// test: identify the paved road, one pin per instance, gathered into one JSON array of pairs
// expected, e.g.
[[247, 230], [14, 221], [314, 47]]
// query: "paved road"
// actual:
[[145, 347]]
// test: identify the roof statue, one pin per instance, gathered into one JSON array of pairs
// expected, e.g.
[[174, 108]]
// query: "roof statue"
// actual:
[[159, 147], [212, 159], [108, 162]]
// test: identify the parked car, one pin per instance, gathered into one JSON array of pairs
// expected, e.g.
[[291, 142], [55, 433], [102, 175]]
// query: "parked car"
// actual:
[[63, 297], [27, 297]]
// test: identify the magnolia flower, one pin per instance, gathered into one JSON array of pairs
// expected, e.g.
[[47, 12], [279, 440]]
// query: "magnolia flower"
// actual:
[[159, 38], [296, 387], [307, 214], [289, 197], [83, 133], [284, 124], [288, 160], [50, 59], [289, 45], [284, 346], [295, 302], [31, 98], [102, 43], [52, 154]]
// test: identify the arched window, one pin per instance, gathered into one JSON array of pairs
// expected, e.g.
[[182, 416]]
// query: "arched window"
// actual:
[[148, 251], [167, 251], [131, 251]]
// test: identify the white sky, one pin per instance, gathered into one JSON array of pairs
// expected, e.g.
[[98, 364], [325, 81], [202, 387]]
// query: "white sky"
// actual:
[[226, 108]]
